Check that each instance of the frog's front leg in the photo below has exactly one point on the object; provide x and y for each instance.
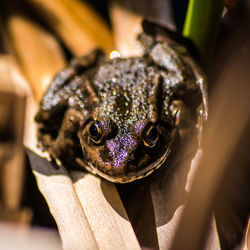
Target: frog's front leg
(66, 146)
(183, 120)
(55, 100)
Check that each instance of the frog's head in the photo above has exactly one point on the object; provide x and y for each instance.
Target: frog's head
(125, 139)
(124, 154)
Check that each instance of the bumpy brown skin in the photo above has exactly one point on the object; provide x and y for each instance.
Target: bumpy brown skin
(164, 87)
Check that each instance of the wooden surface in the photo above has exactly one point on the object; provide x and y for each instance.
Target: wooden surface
(105, 212)
(126, 26)
(246, 245)
(64, 205)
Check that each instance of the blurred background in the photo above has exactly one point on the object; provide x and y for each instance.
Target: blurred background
(39, 37)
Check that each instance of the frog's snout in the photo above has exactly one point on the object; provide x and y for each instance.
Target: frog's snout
(121, 151)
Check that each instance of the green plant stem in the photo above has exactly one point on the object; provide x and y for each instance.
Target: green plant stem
(202, 24)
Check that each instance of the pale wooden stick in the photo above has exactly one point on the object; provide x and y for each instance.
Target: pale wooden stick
(64, 205)
(168, 197)
(105, 212)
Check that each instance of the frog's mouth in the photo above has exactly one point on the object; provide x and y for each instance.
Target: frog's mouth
(129, 177)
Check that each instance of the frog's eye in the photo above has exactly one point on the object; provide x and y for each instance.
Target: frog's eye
(96, 132)
(150, 136)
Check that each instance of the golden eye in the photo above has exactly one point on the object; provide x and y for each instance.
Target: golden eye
(96, 132)
(150, 136)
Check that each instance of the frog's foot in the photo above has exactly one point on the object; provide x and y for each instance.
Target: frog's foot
(183, 120)
(65, 147)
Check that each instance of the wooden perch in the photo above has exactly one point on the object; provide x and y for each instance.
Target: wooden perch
(106, 214)
(64, 205)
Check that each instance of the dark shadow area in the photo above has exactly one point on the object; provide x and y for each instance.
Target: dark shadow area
(223, 180)
(33, 198)
(232, 202)
(179, 13)
(137, 201)
(173, 180)
(111, 200)
(43, 166)
(168, 12)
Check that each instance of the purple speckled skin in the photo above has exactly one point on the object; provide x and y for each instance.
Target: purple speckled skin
(126, 97)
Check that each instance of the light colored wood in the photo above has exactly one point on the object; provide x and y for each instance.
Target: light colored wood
(59, 193)
(105, 212)
(38, 52)
(88, 212)
(81, 29)
(93, 24)
(57, 188)
(20, 216)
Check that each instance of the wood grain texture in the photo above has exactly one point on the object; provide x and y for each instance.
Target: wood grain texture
(105, 212)
(64, 205)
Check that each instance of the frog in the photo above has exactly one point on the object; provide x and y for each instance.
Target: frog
(119, 118)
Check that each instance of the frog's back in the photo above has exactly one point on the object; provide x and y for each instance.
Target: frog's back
(124, 86)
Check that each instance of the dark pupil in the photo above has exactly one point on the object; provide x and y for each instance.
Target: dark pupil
(152, 134)
(93, 130)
